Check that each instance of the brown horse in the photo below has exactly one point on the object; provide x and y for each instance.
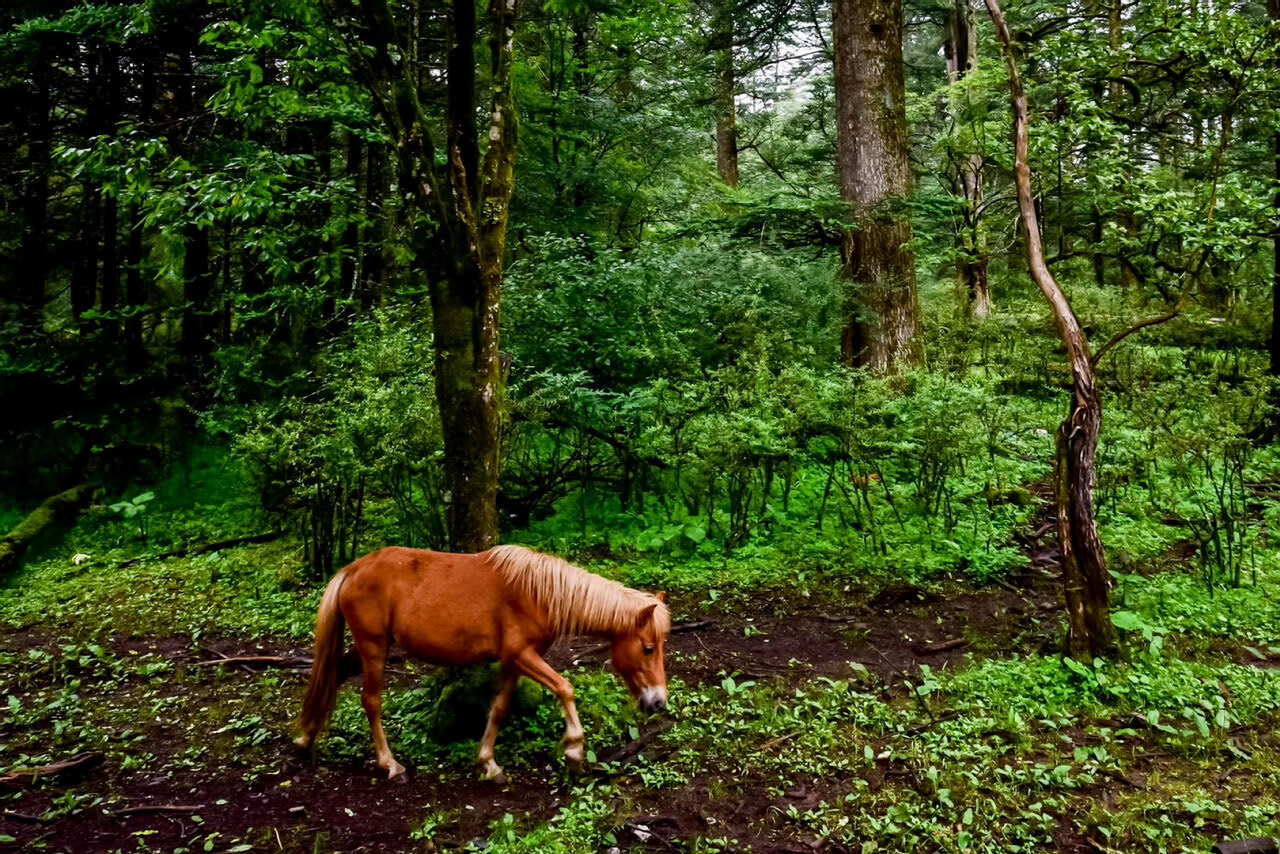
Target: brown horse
(506, 604)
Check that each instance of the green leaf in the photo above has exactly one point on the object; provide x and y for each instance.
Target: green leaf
(1127, 621)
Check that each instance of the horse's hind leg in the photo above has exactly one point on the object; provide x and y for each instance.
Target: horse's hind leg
(497, 713)
(532, 665)
(373, 658)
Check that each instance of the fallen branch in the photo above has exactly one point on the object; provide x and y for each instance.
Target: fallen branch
(205, 549)
(294, 661)
(154, 808)
(637, 744)
(774, 742)
(21, 778)
(941, 646)
(1120, 778)
(64, 505)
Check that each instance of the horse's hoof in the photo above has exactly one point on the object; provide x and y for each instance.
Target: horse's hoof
(399, 779)
(497, 777)
(302, 744)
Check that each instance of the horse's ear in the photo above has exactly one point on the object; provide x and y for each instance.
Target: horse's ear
(645, 616)
(662, 597)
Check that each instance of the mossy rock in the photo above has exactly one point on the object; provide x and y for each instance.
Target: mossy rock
(462, 699)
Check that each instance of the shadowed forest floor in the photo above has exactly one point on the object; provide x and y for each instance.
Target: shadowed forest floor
(197, 751)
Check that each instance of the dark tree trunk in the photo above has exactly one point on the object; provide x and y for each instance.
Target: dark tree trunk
(33, 257)
(725, 89)
(196, 345)
(882, 310)
(135, 296)
(1273, 10)
(961, 48)
(84, 270)
(468, 199)
(350, 277)
(1086, 584)
(372, 290)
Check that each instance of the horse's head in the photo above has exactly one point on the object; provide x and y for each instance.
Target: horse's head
(639, 656)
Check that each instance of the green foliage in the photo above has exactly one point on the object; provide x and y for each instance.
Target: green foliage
(356, 458)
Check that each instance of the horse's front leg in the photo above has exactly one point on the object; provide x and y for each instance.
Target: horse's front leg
(531, 664)
(508, 680)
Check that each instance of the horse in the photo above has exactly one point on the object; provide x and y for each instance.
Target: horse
(507, 604)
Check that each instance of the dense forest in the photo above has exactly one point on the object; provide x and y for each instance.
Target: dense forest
(925, 351)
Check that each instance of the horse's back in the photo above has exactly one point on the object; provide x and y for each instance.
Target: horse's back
(442, 607)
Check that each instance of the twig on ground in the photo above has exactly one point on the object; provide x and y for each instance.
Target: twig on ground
(638, 744)
(21, 778)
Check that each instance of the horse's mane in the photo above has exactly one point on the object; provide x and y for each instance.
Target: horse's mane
(576, 601)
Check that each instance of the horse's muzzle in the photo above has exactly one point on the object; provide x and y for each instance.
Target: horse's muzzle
(653, 700)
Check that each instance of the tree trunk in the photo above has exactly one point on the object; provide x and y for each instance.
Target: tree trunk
(882, 309)
(1273, 10)
(1086, 584)
(33, 257)
(196, 343)
(961, 48)
(377, 195)
(135, 296)
(725, 89)
(468, 199)
(84, 270)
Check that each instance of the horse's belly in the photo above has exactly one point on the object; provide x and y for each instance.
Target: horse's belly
(444, 640)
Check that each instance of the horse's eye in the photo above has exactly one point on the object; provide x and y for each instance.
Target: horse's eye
(648, 650)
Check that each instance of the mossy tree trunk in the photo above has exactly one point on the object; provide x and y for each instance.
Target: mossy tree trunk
(466, 198)
(882, 311)
(1273, 11)
(1086, 584)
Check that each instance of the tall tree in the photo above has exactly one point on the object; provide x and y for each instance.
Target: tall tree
(725, 86)
(1273, 12)
(462, 199)
(960, 44)
(1084, 564)
(883, 310)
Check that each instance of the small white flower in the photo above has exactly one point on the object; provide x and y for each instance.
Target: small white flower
(79, 558)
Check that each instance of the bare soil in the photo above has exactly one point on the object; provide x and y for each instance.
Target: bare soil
(289, 803)
(293, 804)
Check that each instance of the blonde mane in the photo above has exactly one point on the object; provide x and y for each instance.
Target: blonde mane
(576, 601)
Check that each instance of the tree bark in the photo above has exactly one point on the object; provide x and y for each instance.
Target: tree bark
(1273, 11)
(196, 344)
(468, 198)
(961, 49)
(725, 88)
(882, 309)
(34, 260)
(1086, 584)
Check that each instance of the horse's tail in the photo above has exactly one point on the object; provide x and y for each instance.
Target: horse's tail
(322, 689)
